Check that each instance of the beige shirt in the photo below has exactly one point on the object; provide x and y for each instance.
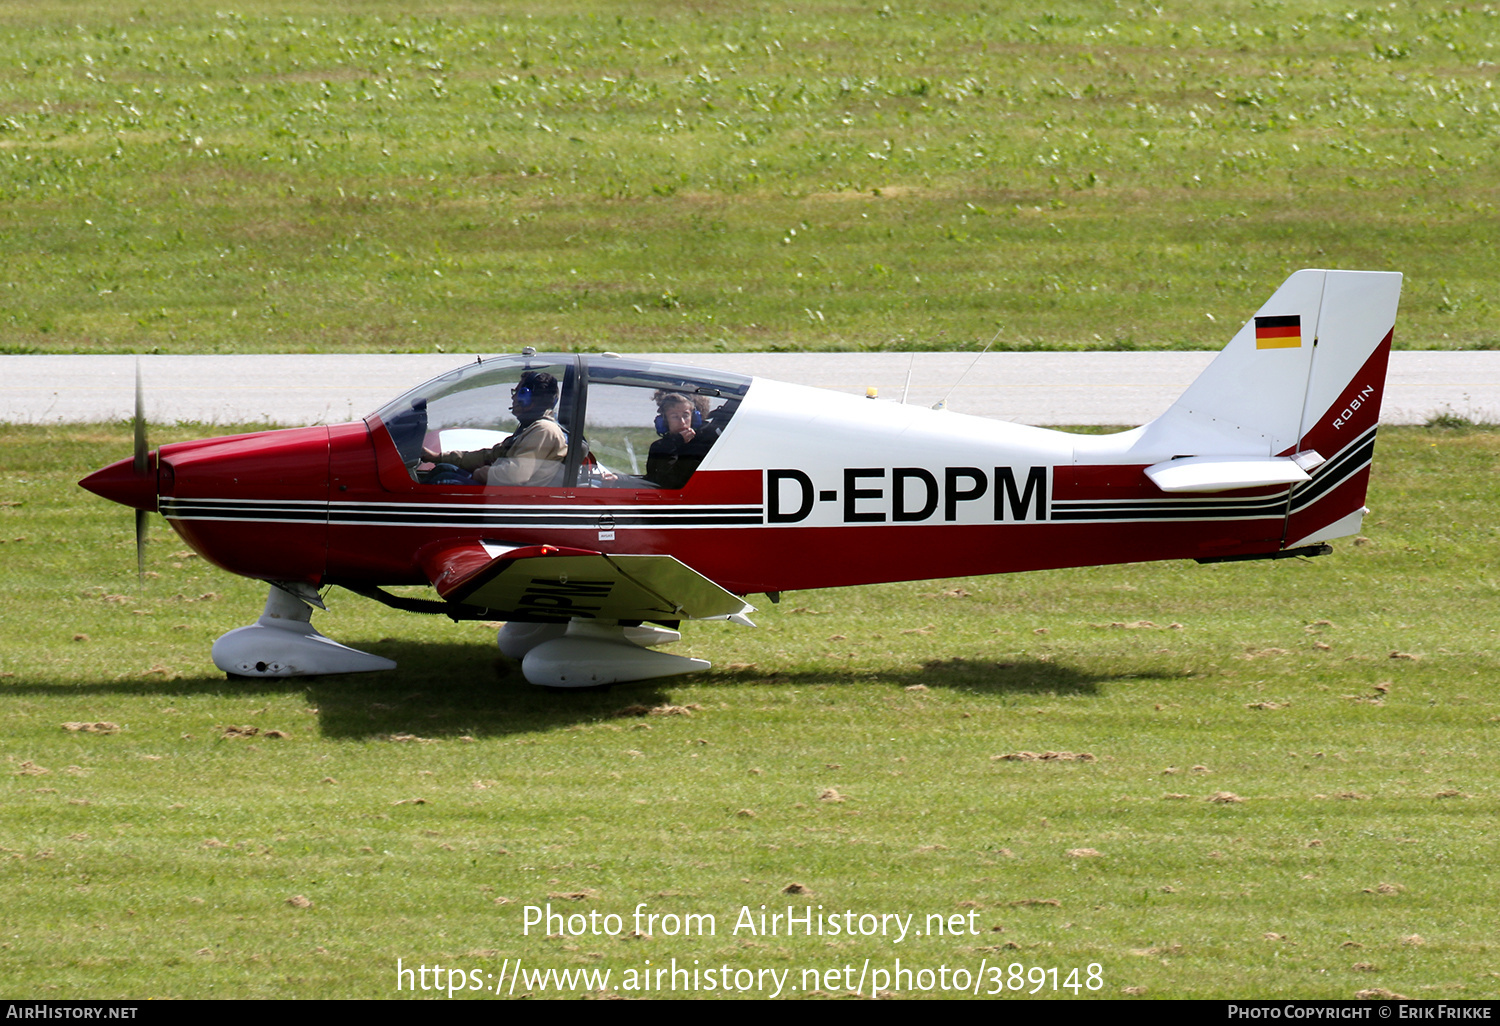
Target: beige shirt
(534, 455)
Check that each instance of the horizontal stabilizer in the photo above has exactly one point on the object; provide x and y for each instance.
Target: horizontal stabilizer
(549, 583)
(1227, 473)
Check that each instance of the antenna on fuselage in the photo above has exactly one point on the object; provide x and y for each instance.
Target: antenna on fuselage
(942, 404)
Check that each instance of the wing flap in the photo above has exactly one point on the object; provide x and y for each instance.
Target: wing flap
(550, 582)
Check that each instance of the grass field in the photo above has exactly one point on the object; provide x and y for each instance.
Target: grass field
(1290, 791)
(296, 176)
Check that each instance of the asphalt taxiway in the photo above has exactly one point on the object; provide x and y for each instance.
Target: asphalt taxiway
(1026, 388)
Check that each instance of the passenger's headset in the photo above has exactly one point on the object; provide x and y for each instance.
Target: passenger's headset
(661, 421)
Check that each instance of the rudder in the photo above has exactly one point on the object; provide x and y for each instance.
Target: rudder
(1342, 409)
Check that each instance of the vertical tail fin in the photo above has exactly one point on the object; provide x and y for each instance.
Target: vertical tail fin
(1307, 372)
(1274, 386)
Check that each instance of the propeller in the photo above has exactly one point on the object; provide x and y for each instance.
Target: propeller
(132, 481)
(141, 466)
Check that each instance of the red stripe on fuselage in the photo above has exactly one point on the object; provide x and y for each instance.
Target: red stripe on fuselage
(1129, 481)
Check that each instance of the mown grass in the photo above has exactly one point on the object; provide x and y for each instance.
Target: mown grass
(305, 177)
(1348, 701)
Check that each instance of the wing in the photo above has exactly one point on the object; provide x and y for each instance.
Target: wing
(553, 583)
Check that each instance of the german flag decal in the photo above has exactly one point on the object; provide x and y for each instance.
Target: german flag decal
(1278, 332)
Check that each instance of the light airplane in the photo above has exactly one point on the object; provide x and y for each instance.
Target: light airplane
(594, 502)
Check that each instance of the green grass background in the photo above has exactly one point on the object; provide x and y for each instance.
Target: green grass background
(302, 176)
(1348, 701)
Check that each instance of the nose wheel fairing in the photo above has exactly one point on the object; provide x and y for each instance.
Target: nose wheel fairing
(284, 643)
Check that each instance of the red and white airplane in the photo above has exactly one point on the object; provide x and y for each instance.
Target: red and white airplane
(649, 493)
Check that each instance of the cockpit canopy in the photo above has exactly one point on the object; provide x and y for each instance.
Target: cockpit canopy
(619, 422)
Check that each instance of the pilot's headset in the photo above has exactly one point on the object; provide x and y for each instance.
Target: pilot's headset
(532, 383)
(676, 398)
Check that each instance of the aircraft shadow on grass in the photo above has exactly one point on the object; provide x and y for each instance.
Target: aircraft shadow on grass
(488, 696)
(454, 690)
(470, 691)
(440, 690)
(978, 676)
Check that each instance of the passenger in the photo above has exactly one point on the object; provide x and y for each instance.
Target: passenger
(533, 454)
(685, 439)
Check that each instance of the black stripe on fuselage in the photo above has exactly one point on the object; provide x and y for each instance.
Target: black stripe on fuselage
(1336, 471)
(1354, 458)
(425, 515)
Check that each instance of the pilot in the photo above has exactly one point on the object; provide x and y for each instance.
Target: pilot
(534, 454)
(685, 439)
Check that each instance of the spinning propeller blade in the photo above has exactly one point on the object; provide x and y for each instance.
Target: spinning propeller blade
(141, 467)
(140, 545)
(141, 448)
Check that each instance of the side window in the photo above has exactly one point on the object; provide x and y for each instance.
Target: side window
(619, 426)
(649, 437)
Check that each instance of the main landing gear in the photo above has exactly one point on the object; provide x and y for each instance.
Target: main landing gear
(588, 653)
